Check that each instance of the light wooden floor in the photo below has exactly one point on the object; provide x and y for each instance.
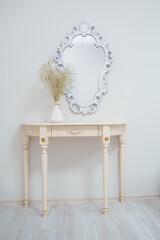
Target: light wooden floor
(135, 220)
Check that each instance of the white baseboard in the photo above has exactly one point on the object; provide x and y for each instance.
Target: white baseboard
(67, 200)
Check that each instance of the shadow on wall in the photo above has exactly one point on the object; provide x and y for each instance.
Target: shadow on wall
(73, 161)
(66, 153)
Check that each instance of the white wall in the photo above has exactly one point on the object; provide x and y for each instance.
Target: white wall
(30, 31)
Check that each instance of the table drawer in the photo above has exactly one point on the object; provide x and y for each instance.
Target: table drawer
(74, 131)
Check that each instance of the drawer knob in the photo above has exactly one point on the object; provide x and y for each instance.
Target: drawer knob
(106, 139)
(43, 140)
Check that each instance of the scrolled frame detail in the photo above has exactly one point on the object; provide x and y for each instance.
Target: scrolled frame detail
(84, 30)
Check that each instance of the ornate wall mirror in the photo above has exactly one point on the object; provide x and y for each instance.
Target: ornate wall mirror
(86, 50)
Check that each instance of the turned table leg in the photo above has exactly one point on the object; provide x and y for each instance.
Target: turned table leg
(105, 143)
(121, 165)
(25, 140)
(44, 160)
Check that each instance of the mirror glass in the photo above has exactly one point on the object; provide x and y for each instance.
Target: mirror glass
(87, 62)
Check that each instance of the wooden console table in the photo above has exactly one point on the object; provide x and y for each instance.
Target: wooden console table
(46, 130)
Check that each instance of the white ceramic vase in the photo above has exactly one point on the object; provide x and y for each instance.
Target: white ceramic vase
(56, 115)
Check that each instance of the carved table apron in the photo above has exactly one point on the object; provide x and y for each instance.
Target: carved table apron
(46, 130)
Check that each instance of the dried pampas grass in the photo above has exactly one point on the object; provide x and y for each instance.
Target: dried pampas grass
(56, 81)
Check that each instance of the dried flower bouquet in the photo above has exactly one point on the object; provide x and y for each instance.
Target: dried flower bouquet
(56, 81)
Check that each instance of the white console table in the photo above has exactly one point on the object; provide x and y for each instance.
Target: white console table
(46, 130)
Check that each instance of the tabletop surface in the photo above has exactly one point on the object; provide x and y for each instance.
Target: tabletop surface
(71, 123)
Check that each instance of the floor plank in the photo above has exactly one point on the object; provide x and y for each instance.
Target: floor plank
(130, 220)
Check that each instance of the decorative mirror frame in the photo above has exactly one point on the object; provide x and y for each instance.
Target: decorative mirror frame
(83, 29)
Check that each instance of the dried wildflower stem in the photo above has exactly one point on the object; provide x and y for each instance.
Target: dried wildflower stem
(56, 81)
